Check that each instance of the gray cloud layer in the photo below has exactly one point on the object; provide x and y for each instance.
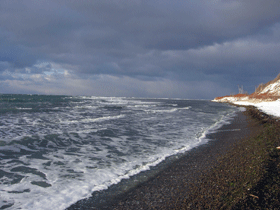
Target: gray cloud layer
(153, 48)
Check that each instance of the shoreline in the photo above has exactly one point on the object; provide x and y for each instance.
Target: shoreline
(239, 168)
(171, 187)
(245, 176)
(168, 189)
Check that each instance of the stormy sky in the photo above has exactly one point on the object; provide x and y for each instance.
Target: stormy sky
(138, 48)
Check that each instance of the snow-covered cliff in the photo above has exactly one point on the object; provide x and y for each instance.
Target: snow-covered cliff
(265, 92)
(266, 98)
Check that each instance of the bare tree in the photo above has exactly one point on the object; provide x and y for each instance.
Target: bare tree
(240, 89)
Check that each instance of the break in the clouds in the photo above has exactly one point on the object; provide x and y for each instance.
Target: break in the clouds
(141, 48)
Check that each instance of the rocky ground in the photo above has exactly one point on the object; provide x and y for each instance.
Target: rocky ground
(247, 177)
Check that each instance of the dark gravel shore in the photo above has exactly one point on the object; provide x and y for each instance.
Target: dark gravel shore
(171, 188)
(229, 172)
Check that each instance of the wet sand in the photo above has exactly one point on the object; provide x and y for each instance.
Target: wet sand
(169, 188)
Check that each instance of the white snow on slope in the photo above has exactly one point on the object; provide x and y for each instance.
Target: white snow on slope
(273, 88)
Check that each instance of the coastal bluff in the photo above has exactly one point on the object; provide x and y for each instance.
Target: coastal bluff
(266, 98)
(264, 93)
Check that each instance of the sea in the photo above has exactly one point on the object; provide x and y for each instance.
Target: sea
(57, 150)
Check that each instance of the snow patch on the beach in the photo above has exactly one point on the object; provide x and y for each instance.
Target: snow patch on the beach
(268, 107)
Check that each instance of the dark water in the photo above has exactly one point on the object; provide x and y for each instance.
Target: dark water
(56, 150)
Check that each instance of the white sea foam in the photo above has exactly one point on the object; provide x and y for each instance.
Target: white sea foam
(167, 110)
(99, 119)
(224, 120)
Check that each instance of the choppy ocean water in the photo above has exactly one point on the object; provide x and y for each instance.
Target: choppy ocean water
(56, 150)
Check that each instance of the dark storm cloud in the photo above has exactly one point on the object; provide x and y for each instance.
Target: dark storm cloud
(179, 24)
(220, 41)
